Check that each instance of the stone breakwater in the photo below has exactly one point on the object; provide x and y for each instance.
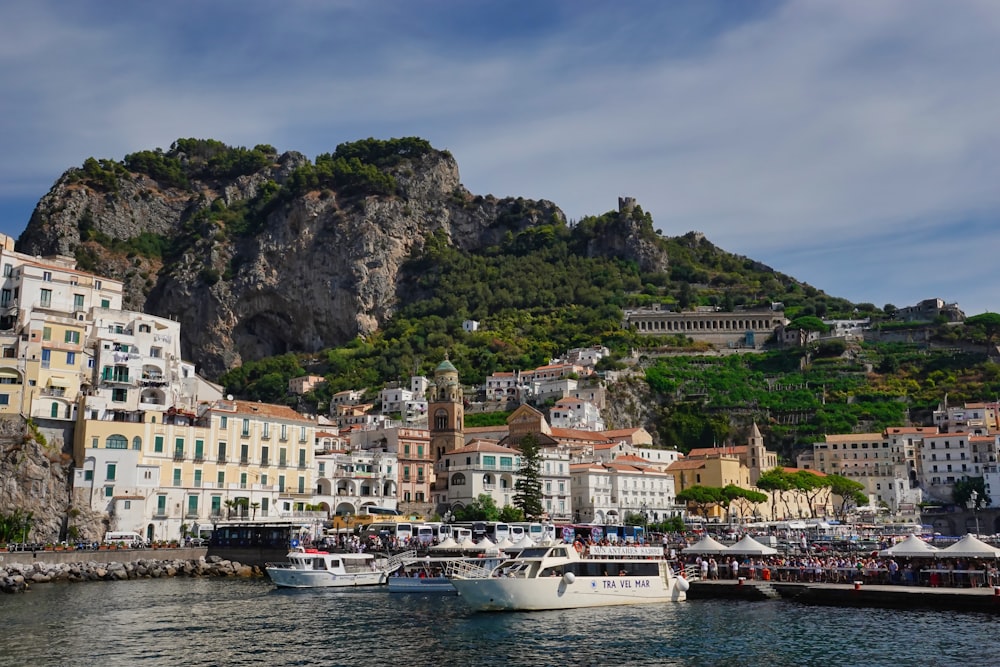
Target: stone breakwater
(19, 577)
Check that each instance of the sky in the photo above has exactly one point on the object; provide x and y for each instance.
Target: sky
(851, 144)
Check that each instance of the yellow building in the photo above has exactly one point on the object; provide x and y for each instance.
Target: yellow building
(153, 472)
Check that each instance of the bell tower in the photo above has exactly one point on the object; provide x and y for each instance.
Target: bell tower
(445, 411)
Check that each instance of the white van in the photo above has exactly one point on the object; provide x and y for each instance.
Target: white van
(126, 537)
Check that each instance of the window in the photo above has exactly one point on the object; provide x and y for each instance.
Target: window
(284, 432)
(223, 421)
(489, 461)
(46, 298)
(221, 478)
(302, 484)
(119, 395)
(72, 337)
(244, 453)
(281, 483)
(105, 303)
(197, 478)
(216, 505)
(109, 491)
(246, 428)
(77, 302)
(158, 444)
(406, 450)
(4, 399)
(199, 449)
(112, 469)
(222, 452)
(264, 454)
(193, 505)
(302, 434)
(177, 476)
(7, 270)
(302, 458)
(71, 358)
(243, 480)
(88, 475)
(97, 284)
(420, 451)
(458, 479)
(161, 505)
(116, 442)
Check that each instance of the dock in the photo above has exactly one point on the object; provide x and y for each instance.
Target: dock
(974, 599)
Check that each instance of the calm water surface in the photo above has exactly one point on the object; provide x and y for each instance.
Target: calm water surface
(234, 622)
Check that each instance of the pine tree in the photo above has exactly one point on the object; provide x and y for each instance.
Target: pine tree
(528, 490)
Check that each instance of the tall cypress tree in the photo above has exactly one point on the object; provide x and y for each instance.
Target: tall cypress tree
(528, 490)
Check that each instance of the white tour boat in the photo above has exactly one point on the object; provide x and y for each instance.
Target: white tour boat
(558, 577)
(312, 568)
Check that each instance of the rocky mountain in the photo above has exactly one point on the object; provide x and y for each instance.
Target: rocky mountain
(258, 253)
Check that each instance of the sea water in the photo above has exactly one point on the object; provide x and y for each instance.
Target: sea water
(198, 622)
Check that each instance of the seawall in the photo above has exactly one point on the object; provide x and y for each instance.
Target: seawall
(18, 576)
(975, 599)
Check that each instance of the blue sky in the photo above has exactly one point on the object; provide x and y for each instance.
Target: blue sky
(852, 144)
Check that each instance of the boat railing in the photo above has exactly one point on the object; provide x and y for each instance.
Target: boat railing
(691, 572)
(398, 560)
(466, 570)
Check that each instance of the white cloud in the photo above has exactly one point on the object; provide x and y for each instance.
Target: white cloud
(814, 136)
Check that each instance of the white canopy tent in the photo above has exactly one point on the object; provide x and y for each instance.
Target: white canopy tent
(706, 545)
(750, 547)
(911, 547)
(969, 546)
(447, 544)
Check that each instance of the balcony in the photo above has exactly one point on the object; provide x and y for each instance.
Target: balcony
(244, 461)
(221, 459)
(199, 458)
(179, 456)
(263, 461)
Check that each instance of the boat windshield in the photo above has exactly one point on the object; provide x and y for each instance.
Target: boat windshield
(534, 552)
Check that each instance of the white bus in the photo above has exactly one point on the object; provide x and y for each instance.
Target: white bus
(124, 537)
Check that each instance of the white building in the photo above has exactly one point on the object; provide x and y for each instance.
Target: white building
(482, 466)
(576, 413)
(608, 492)
(554, 475)
(351, 482)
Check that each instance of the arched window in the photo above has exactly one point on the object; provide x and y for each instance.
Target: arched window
(458, 479)
(116, 442)
(488, 479)
(441, 419)
(137, 443)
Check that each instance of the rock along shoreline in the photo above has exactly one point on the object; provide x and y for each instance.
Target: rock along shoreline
(18, 577)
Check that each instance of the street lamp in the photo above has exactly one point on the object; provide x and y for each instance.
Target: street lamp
(974, 504)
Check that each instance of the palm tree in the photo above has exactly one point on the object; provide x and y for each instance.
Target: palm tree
(230, 506)
(254, 507)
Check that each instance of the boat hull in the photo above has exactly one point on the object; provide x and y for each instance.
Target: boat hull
(437, 585)
(537, 594)
(294, 578)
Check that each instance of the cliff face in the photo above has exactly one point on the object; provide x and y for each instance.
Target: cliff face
(277, 259)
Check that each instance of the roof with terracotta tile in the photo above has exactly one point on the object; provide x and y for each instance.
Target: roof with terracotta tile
(268, 410)
(686, 464)
(709, 452)
(576, 434)
(483, 446)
